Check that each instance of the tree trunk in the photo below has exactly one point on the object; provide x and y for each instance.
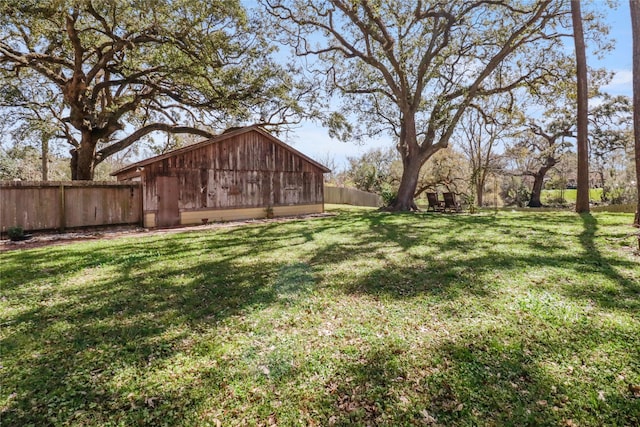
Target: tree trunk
(45, 158)
(408, 183)
(634, 6)
(83, 158)
(412, 161)
(538, 182)
(582, 198)
(482, 180)
(536, 191)
(479, 192)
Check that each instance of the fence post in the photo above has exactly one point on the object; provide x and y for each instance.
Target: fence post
(63, 214)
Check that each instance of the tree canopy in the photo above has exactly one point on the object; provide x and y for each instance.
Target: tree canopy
(413, 68)
(121, 70)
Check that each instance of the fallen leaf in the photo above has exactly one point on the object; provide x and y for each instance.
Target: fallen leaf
(332, 387)
(427, 418)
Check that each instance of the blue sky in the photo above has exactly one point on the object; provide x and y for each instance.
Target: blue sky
(314, 141)
(620, 59)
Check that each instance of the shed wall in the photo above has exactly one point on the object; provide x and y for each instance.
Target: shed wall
(243, 172)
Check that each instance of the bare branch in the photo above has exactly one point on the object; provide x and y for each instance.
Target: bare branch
(140, 133)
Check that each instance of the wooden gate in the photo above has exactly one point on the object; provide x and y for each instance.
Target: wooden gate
(168, 212)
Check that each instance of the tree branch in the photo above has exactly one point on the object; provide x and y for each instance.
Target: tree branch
(140, 133)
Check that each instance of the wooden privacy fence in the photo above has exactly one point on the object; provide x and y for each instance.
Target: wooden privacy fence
(35, 205)
(350, 196)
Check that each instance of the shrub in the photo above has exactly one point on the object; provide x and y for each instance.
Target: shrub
(15, 233)
(515, 192)
(268, 212)
(618, 194)
(388, 195)
(556, 199)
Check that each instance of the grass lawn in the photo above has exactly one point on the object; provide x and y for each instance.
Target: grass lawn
(364, 318)
(569, 195)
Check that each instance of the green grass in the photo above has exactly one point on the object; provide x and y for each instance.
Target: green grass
(364, 318)
(569, 195)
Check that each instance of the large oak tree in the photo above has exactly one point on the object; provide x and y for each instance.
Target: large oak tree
(413, 68)
(537, 151)
(123, 70)
(544, 140)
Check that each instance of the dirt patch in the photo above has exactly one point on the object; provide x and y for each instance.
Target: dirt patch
(40, 239)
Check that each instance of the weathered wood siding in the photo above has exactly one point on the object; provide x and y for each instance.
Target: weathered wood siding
(36, 205)
(245, 171)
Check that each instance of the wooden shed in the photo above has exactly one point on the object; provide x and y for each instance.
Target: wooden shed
(240, 174)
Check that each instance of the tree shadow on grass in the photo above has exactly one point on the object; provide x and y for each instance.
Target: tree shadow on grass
(133, 317)
(474, 380)
(480, 276)
(444, 262)
(627, 291)
(77, 341)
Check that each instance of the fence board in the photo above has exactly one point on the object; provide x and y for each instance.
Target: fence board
(36, 205)
(351, 196)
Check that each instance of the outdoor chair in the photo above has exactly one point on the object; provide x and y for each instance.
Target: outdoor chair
(450, 203)
(434, 204)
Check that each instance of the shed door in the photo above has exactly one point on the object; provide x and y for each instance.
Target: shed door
(168, 213)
